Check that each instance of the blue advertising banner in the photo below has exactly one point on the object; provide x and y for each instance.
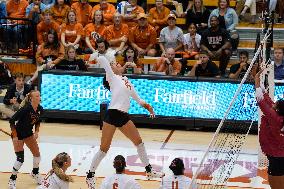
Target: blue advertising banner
(177, 98)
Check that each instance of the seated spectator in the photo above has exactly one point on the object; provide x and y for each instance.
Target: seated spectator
(191, 47)
(14, 96)
(228, 19)
(131, 18)
(34, 11)
(198, 15)
(171, 36)
(72, 31)
(59, 11)
(44, 26)
(280, 11)
(83, 11)
(107, 9)
(56, 177)
(237, 71)
(117, 34)
(16, 29)
(158, 16)
(204, 67)
(94, 30)
(177, 7)
(278, 64)
(251, 5)
(131, 63)
(5, 74)
(143, 37)
(71, 62)
(168, 64)
(48, 54)
(48, 3)
(16, 8)
(192, 41)
(177, 180)
(216, 42)
(3, 12)
(102, 49)
(119, 179)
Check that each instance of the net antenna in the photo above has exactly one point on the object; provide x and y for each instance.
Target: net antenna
(218, 162)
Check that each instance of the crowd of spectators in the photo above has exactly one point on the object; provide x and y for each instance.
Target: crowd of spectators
(127, 25)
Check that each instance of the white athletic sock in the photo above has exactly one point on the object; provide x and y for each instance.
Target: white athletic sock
(142, 154)
(96, 160)
(36, 161)
(16, 167)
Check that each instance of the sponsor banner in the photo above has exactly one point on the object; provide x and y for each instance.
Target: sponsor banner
(177, 98)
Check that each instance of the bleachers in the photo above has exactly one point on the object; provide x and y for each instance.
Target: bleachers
(207, 3)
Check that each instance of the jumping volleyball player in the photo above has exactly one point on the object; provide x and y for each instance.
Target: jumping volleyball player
(21, 125)
(117, 116)
(271, 136)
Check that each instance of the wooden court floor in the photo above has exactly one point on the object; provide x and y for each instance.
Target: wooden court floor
(59, 133)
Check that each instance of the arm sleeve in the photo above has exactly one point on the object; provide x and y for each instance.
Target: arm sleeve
(235, 20)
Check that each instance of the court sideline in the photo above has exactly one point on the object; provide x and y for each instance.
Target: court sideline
(81, 141)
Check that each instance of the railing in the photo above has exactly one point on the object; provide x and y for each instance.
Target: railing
(17, 37)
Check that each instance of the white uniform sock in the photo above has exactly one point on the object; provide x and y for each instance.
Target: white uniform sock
(36, 161)
(96, 160)
(142, 154)
(16, 167)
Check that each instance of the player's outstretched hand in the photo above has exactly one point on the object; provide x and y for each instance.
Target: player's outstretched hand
(150, 109)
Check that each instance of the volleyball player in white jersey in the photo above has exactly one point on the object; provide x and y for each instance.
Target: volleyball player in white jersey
(119, 180)
(178, 180)
(117, 116)
(57, 178)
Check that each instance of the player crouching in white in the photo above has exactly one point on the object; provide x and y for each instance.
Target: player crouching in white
(117, 117)
(178, 180)
(57, 178)
(120, 179)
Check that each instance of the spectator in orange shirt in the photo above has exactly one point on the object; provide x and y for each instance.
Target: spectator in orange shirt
(72, 31)
(131, 18)
(44, 26)
(59, 11)
(117, 34)
(108, 11)
(94, 30)
(83, 11)
(158, 16)
(168, 63)
(16, 33)
(48, 54)
(143, 37)
(16, 8)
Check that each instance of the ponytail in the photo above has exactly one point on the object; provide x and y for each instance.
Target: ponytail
(27, 99)
(57, 164)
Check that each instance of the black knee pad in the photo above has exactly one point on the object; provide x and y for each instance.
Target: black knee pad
(20, 156)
